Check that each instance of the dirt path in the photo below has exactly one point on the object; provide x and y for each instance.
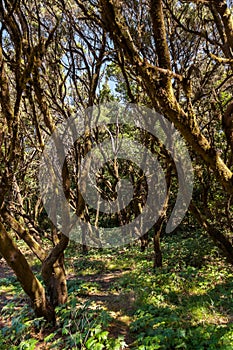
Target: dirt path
(120, 305)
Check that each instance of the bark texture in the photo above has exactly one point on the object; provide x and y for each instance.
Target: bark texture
(31, 285)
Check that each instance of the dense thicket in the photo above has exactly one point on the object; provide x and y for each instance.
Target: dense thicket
(58, 58)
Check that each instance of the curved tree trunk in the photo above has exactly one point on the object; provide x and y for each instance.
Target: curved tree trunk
(55, 280)
(30, 284)
(219, 238)
(53, 273)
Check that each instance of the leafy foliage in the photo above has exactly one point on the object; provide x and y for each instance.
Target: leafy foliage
(185, 305)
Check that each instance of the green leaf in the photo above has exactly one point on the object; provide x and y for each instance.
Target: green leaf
(28, 344)
(90, 342)
(98, 346)
(103, 335)
(49, 337)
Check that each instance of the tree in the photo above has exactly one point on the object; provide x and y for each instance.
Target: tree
(56, 59)
(42, 63)
(179, 64)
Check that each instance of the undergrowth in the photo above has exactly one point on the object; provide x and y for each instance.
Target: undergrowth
(187, 304)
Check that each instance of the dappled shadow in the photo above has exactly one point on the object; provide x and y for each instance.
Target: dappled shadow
(7, 278)
(6, 297)
(5, 270)
(208, 298)
(100, 289)
(8, 300)
(121, 307)
(163, 324)
(10, 297)
(105, 280)
(196, 318)
(82, 264)
(122, 303)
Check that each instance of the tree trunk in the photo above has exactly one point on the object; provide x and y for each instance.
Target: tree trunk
(56, 283)
(157, 82)
(221, 241)
(84, 245)
(159, 224)
(144, 241)
(30, 284)
(53, 273)
(158, 260)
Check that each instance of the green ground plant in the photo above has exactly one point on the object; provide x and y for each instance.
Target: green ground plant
(187, 304)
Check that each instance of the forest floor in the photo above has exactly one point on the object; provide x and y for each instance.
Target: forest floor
(5, 272)
(116, 301)
(101, 292)
(6, 294)
(120, 305)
